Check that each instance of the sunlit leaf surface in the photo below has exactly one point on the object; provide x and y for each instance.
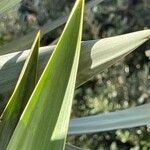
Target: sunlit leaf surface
(95, 57)
(20, 96)
(44, 122)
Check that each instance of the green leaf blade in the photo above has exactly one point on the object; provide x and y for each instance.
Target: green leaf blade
(94, 58)
(44, 122)
(20, 96)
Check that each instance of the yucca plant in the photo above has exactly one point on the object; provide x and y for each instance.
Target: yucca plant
(37, 114)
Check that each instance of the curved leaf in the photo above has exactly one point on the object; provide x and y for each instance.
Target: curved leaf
(128, 118)
(20, 96)
(95, 57)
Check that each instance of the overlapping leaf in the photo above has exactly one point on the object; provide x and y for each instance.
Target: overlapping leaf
(44, 122)
(20, 96)
(95, 56)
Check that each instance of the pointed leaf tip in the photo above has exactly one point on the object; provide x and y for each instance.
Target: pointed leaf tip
(51, 125)
(20, 96)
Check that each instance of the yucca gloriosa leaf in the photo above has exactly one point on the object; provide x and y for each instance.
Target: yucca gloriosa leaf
(129, 118)
(138, 38)
(98, 57)
(95, 57)
(44, 122)
(25, 41)
(24, 87)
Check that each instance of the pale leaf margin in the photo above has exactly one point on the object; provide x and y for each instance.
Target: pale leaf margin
(71, 147)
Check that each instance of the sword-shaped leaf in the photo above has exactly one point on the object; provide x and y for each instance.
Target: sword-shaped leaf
(20, 96)
(128, 118)
(95, 57)
(44, 122)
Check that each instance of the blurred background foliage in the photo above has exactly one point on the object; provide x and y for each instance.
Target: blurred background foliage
(124, 85)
